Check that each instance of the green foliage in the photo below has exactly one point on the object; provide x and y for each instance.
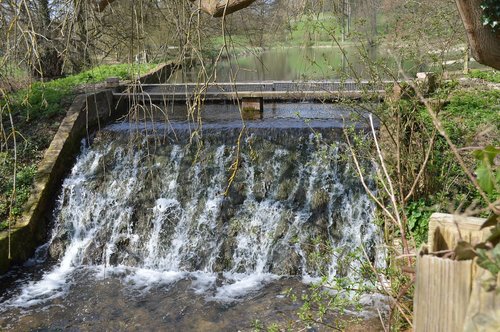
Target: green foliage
(491, 14)
(468, 110)
(488, 176)
(314, 30)
(471, 118)
(43, 99)
(12, 72)
(418, 214)
(487, 251)
(331, 301)
(489, 259)
(487, 75)
(257, 325)
(24, 179)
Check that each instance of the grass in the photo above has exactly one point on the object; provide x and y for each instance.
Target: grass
(470, 118)
(490, 75)
(473, 120)
(37, 111)
(44, 99)
(470, 112)
(309, 30)
(232, 40)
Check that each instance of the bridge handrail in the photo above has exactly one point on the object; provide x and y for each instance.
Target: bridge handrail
(278, 86)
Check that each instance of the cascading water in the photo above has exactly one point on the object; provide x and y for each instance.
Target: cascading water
(152, 210)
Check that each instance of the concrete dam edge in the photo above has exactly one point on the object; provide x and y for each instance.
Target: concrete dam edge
(87, 114)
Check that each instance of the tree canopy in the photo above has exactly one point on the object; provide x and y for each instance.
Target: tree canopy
(484, 39)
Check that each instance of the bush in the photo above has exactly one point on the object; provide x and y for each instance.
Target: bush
(418, 214)
(24, 179)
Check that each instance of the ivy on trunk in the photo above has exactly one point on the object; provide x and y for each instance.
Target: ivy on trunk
(483, 40)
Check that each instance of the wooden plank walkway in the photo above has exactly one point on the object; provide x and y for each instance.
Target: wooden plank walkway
(279, 90)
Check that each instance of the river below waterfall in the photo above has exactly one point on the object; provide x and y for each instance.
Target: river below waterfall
(181, 226)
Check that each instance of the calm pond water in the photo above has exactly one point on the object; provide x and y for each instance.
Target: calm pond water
(314, 63)
(293, 63)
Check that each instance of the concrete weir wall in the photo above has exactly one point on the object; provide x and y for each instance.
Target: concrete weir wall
(87, 114)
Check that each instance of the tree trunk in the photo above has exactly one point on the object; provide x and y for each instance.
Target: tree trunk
(49, 62)
(218, 8)
(484, 43)
(83, 46)
(102, 4)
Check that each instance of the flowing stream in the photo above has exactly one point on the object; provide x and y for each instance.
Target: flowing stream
(162, 227)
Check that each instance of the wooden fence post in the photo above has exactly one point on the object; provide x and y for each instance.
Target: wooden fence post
(450, 295)
(442, 294)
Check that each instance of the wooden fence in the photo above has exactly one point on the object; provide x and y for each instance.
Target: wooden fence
(452, 296)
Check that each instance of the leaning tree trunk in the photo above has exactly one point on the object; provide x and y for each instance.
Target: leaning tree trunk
(218, 8)
(484, 43)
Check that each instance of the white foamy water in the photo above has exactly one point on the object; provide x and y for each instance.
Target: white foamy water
(154, 218)
(239, 285)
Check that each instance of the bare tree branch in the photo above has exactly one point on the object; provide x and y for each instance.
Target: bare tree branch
(102, 4)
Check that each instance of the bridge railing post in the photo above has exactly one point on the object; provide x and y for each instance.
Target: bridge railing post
(252, 108)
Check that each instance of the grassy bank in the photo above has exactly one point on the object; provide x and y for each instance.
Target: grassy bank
(492, 76)
(471, 119)
(36, 112)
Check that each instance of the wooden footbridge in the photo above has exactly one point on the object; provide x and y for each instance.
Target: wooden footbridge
(278, 91)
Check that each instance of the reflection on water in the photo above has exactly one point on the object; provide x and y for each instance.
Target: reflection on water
(289, 64)
(275, 115)
(323, 63)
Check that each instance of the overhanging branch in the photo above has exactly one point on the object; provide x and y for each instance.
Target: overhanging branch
(216, 8)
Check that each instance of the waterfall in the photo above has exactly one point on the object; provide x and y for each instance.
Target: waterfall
(150, 206)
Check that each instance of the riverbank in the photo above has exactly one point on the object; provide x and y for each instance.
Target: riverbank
(37, 112)
(27, 215)
(471, 107)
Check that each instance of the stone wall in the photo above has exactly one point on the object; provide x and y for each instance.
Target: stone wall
(87, 114)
